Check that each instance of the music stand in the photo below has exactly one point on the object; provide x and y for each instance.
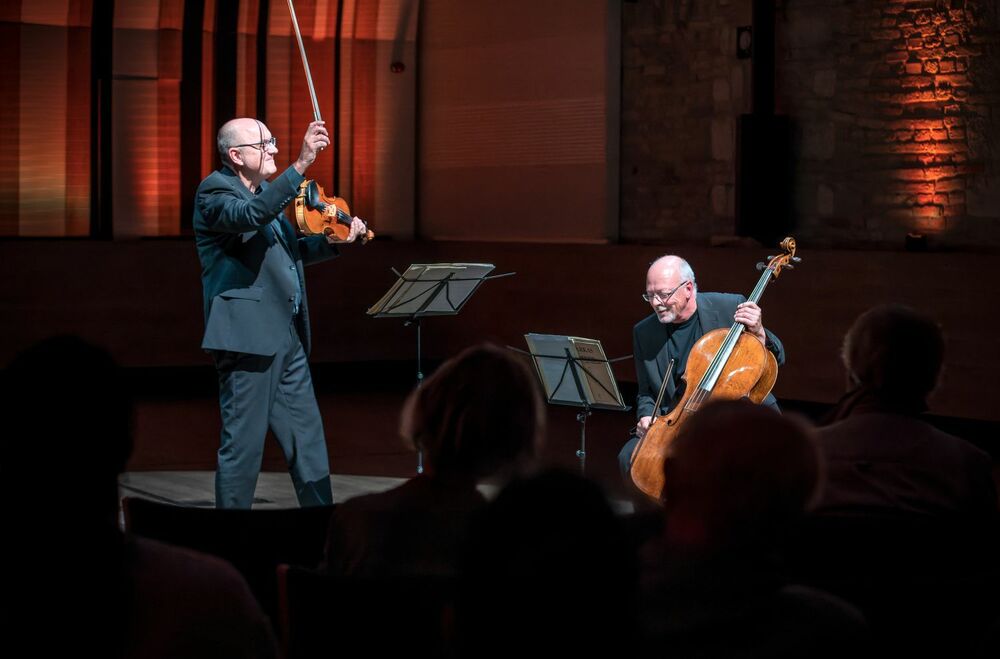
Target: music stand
(575, 371)
(430, 289)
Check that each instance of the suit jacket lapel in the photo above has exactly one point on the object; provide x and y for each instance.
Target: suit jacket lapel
(273, 231)
(709, 315)
(278, 226)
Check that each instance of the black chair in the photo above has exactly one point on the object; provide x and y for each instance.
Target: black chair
(254, 541)
(323, 615)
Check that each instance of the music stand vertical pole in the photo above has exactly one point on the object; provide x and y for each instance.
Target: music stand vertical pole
(420, 372)
(582, 452)
(407, 297)
(415, 318)
(420, 381)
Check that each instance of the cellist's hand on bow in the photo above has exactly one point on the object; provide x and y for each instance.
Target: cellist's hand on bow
(643, 426)
(316, 139)
(749, 314)
(358, 229)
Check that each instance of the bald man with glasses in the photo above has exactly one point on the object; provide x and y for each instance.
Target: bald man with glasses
(256, 311)
(681, 315)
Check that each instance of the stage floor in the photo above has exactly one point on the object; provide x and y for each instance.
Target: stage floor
(274, 489)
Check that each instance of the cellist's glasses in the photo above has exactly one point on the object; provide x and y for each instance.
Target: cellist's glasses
(663, 297)
(273, 141)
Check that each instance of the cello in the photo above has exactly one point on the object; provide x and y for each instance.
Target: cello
(315, 212)
(724, 364)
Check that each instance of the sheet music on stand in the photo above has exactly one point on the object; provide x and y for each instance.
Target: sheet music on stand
(431, 289)
(575, 371)
(555, 356)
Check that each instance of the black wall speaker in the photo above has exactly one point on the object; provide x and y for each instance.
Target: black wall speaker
(764, 178)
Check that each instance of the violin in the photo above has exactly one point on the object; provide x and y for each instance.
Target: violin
(725, 364)
(316, 213)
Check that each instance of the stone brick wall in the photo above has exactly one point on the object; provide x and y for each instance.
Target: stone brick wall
(896, 105)
(682, 91)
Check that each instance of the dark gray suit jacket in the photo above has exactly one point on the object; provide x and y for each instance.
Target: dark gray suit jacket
(250, 263)
(649, 341)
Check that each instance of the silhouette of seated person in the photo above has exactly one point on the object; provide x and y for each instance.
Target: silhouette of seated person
(882, 458)
(479, 415)
(738, 477)
(549, 572)
(906, 526)
(75, 583)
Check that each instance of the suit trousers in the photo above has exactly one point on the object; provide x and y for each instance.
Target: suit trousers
(257, 392)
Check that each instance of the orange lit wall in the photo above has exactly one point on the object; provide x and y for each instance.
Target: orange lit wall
(46, 182)
(891, 103)
(930, 53)
(515, 105)
(145, 148)
(209, 154)
(378, 110)
(45, 84)
(895, 104)
(289, 109)
(361, 30)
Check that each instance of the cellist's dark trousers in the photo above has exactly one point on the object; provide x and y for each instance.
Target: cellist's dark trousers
(257, 392)
(625, 457)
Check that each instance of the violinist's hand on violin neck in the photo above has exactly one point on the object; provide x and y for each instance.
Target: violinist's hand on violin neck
(316, 139)
(358, 229)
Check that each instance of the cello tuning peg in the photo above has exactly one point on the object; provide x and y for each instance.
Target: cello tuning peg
(769, 257)
(796, 259)
(761, 265)
(789, 267)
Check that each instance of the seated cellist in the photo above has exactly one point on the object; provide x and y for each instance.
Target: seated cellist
(681, 315)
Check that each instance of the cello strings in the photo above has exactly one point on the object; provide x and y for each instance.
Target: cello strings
(714, 369)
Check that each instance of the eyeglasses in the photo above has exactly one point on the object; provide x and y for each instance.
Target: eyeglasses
(663, 297)
(272, 141)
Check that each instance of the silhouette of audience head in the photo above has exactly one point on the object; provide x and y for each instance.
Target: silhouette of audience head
(69, 417)
(550, 559)
(480, 410)
(895, 352)
(737, 475)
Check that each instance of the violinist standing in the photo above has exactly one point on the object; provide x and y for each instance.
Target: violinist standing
(256, 311)
(681, 315)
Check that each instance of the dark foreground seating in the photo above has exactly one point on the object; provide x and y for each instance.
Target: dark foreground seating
(322, 614)
(254, 541)
(927, 587)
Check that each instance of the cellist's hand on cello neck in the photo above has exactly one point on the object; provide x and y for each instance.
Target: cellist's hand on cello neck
(749, 314)
(316, 139)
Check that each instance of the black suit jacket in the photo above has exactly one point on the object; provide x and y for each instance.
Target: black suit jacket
(650, 348)
(250, 263)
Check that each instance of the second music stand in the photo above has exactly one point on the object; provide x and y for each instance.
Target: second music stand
(430, 289)
(575, 371)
